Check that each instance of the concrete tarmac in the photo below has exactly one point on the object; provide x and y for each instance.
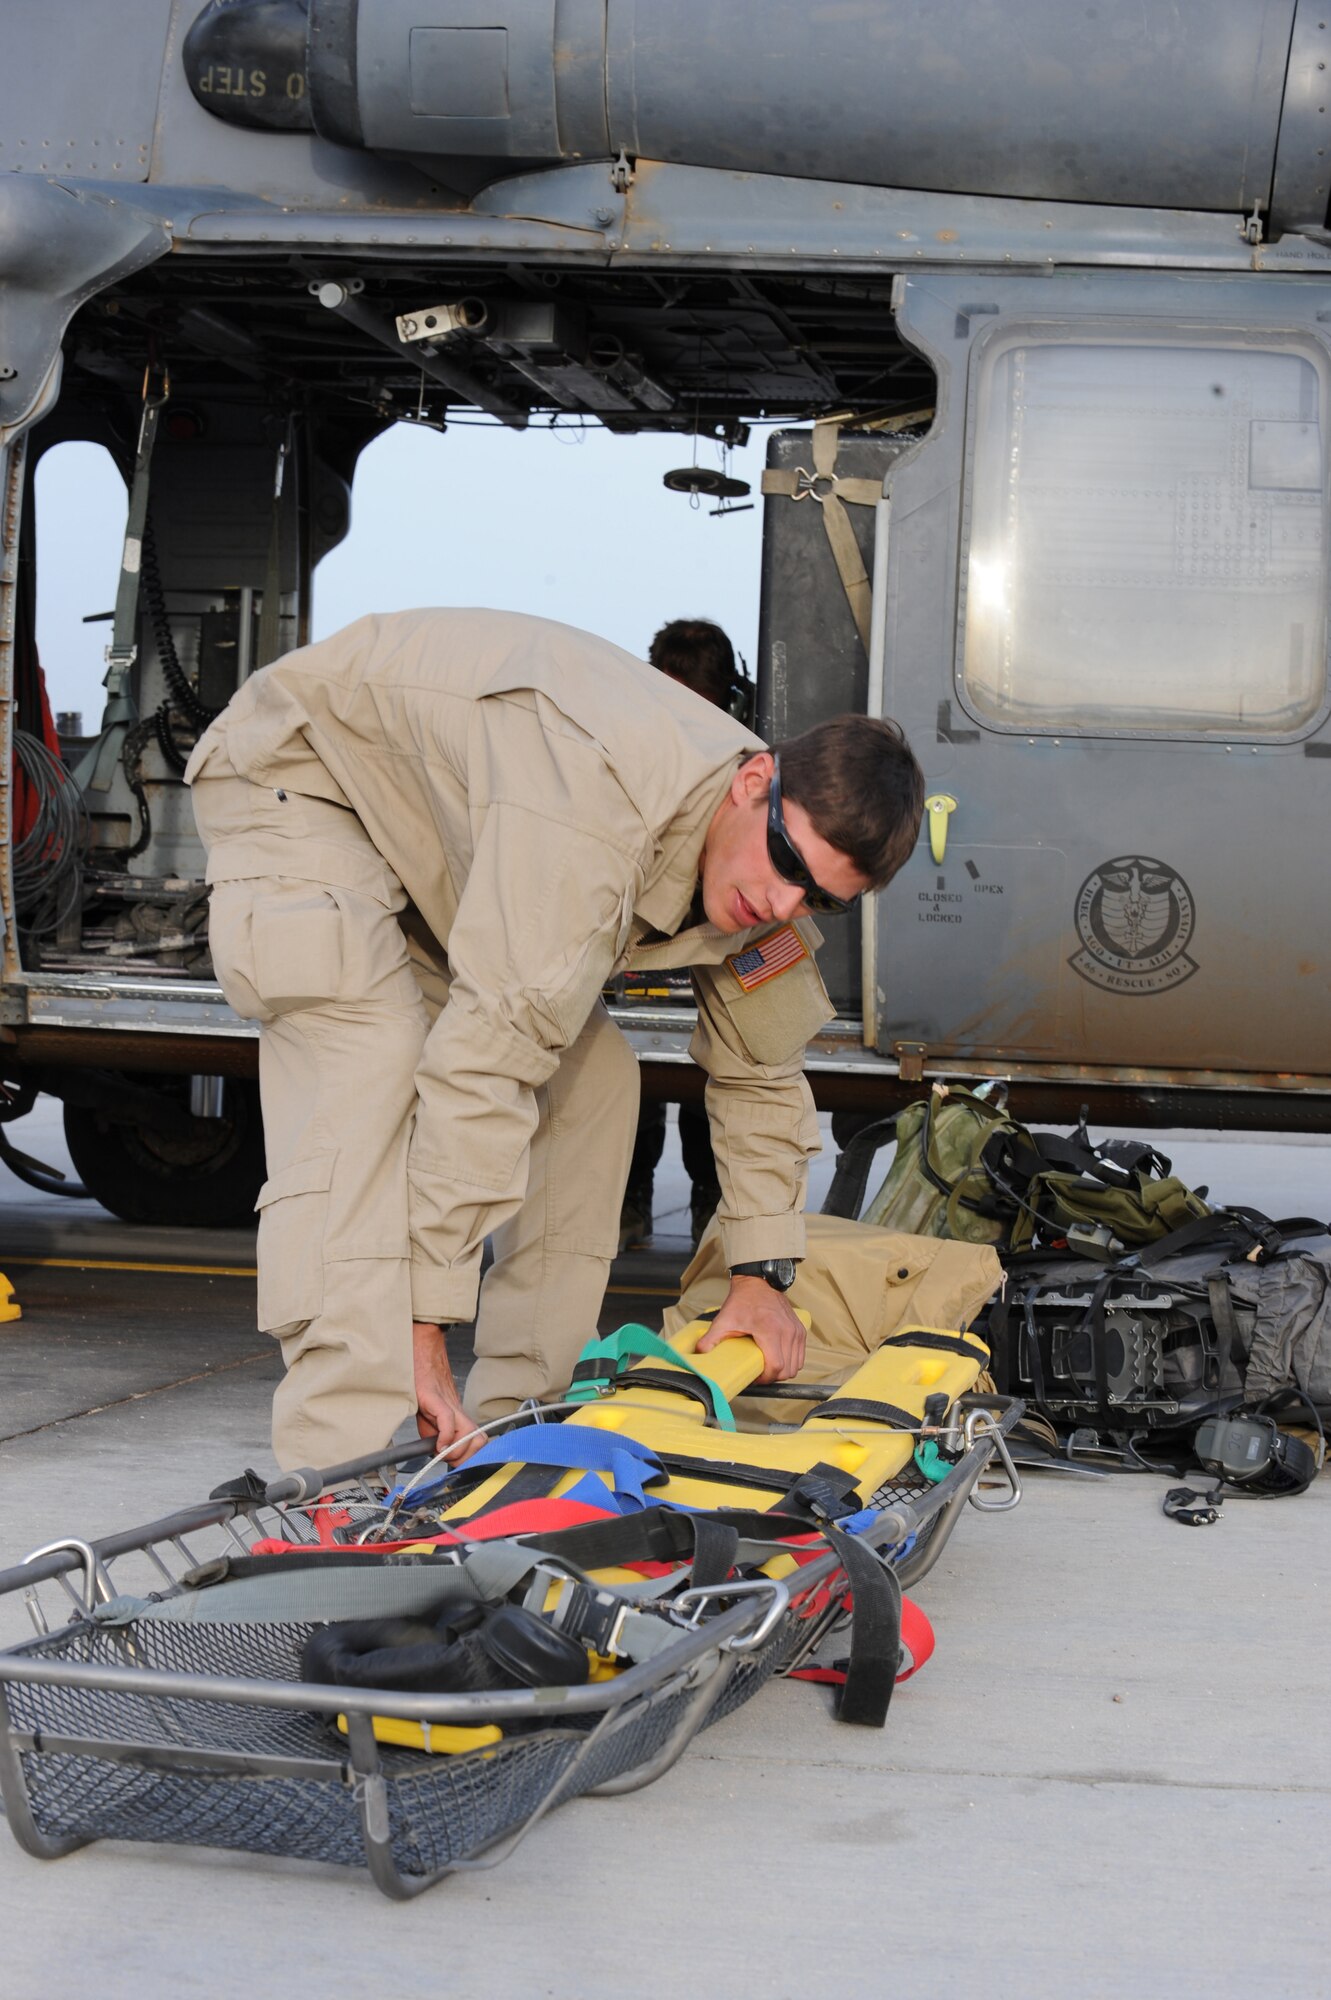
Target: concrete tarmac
(1113, 1777)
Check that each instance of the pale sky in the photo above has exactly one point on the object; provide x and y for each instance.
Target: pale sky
(573, 525)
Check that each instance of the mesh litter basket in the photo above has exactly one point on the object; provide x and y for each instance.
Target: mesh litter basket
(96, 1760)
(158, 1729)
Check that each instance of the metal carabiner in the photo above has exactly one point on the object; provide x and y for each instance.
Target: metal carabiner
(747, 1642)
(96, 1583)
(984, 1422)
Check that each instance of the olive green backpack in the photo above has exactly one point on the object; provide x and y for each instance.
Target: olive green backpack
(964, 1169)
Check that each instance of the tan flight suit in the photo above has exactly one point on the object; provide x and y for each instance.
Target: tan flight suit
(432, 838)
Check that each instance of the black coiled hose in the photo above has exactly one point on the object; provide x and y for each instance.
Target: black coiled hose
(180, 694)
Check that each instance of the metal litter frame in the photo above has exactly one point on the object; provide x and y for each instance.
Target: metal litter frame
(99, 1739)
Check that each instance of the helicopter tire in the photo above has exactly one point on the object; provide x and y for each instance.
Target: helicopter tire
(209, 1178)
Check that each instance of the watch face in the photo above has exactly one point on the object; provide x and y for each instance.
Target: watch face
(781, 1273)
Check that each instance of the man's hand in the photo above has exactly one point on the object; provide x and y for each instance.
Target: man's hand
(439, 1410)
(767, 1316)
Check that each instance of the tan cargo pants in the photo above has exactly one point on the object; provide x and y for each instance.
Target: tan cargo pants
(306, 941)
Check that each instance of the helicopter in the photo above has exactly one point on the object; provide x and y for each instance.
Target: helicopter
(1037, 305)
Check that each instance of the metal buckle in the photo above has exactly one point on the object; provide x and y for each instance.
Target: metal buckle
(819, 486)
(594, 1617)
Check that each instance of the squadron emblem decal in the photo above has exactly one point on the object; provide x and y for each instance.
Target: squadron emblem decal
(1135, 918)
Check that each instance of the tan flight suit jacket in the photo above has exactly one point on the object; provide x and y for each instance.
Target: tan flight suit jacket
(543, 798)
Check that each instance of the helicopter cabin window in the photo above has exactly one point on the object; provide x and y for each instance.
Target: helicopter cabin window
(1147, 535)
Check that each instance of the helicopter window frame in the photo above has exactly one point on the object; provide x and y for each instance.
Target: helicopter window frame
(982, 583)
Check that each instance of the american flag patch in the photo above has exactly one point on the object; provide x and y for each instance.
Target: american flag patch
(774, 954)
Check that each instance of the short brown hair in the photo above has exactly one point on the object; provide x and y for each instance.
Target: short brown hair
(858, 781)
(695, 651)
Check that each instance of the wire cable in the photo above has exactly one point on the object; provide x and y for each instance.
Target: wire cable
(47, 862)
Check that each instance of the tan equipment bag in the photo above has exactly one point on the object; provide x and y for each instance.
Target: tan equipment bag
(858, 1285)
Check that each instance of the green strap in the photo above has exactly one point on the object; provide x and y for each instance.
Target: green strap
(629, 1344)
(931, 1462)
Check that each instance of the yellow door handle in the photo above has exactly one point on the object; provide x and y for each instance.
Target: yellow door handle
(939, 805)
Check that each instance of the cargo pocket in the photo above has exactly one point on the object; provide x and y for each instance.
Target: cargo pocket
(229, 944)
(297, 946)
(293, 1219)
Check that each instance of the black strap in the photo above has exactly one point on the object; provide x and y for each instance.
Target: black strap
(1092, 1321)
(1027, 1154)
(601, 1368)
(864, 1406)
(1137, 1157)
(940, 1343)
(246, 1485)
(658, 1534)
(661, 1535)
(715, 1551)
(875, 1633)
(1301, 1225)
(1034, 1355)
(673, 1379)
(998, 1339)
(850, 1178)
(824, 1495)
(760, 1478)
(1226, 1320)
(1247, 1228)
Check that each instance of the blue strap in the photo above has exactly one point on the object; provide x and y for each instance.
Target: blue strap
(629, 1464)
(593, 1492)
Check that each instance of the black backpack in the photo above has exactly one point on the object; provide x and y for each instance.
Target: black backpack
(1225, 1313)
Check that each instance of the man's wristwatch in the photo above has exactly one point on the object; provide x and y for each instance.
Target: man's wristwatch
(778, 1272)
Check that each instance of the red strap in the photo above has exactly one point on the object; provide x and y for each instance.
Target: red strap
(530, 1517)
(327, 1518)
(524, 1517)
(917, 1645)
(917, 1639)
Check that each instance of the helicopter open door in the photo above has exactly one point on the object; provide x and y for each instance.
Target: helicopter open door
(1106, 636)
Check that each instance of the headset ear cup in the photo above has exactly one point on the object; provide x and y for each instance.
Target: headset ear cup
(1228, 1447)
(530, 1652)
(507, 1647)
(401, 1654)
(1292, 1469)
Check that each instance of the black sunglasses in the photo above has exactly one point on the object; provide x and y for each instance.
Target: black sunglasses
(785, 856)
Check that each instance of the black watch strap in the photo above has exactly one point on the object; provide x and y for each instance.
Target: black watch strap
(778, 1272)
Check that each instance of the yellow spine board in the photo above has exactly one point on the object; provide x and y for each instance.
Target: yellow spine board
(442, 1739)
(675, 1425)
